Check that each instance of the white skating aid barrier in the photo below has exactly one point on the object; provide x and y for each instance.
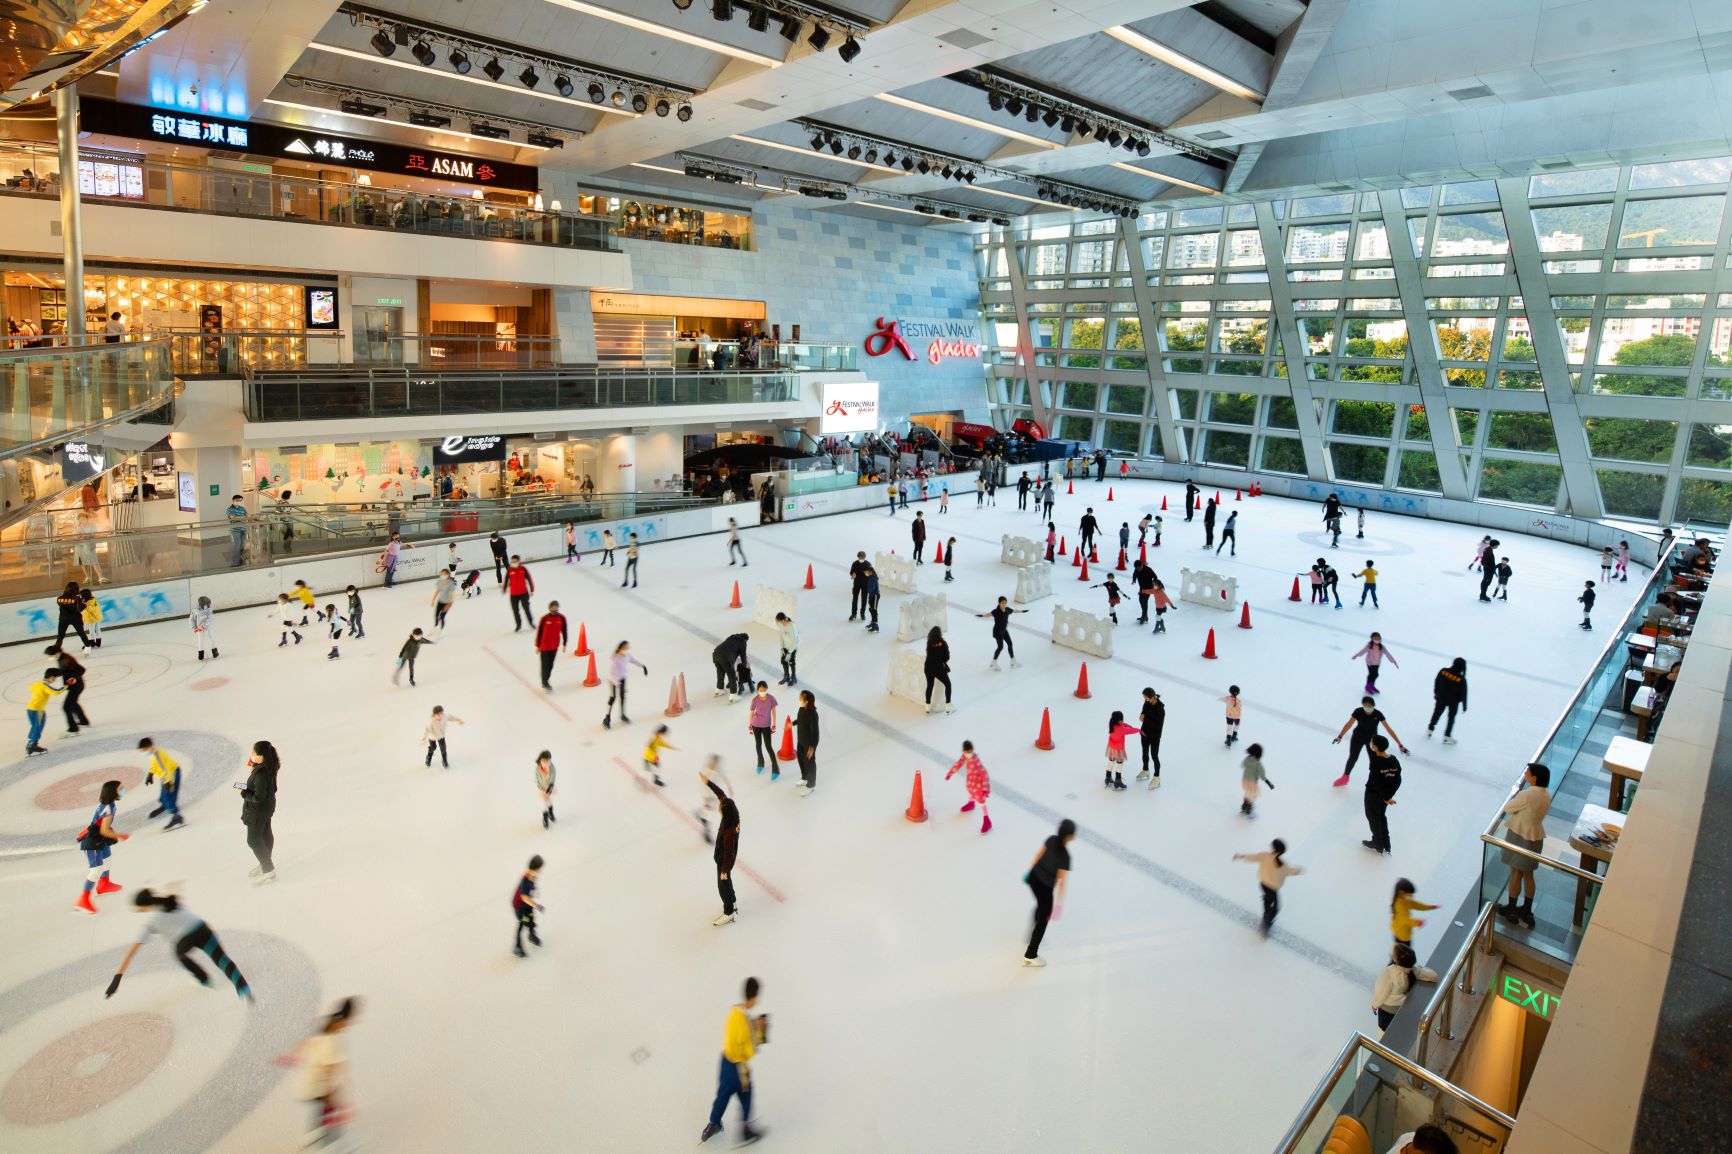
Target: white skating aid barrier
(917, 615)
(1201, 587)
(767, 602)
(1076, 629)
(1018, 551)
(895, 572)
(1033, 582)
(908, 674)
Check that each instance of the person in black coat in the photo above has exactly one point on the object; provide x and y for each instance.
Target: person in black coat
(937, 667)
(258, 806)
(1331, 508)
(71, 606)
(1190, 500)
(727, 848)
(1152, 720)
(857, 578)
(918, 530)
(727, 657)
(1487, 571)
(1209, 523)
(1448, 692)
(1087, 528)
(496, 544)
(806, 742)
(72, 675)
(1382, 780)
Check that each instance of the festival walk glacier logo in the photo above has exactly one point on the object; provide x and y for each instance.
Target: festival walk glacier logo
(947, 339)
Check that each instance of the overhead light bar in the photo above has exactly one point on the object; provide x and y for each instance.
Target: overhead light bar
(959, 118)
(1185, 64)
(1085, 120)
(666, 32)
(494, 70)
(1163, 176)
(377, 120)
(542, 140)
(826, 142)
(489, 131)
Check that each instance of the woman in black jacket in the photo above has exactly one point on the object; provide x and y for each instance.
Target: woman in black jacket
(71, 603)
(806, 742)
(1449, 692)
(258, 805)
(937, 667)
(727, 848)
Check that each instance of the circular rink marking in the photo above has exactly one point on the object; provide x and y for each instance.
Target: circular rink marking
(81, 1071)
(107, 674)
(66, 772)
(204, 683)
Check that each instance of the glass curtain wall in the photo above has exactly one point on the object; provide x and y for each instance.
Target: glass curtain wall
(1562, 342)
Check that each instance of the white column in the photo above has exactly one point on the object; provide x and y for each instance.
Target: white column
(618, 465)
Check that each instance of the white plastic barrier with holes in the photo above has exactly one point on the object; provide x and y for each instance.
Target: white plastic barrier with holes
(1033, 582)
(1076, 629)
(767, 602)
(1212, 590)
(908, 674)
(895, 572)
(1018, 551)
(917, 615)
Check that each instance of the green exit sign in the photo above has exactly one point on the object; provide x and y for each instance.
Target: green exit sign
(398, 301)
(1530, 998)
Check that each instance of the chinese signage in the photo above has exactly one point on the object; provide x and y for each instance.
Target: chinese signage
(462, 450)
(1530, 998)
(262, 139)
(80, 461)
(942, 339)
(849, 407)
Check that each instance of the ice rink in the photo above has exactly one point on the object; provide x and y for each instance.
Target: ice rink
(889, 951)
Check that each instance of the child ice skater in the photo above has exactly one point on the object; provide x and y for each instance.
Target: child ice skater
(1117, 730)
(976, 781)
(607, 547)
(1361, 533)
(1234, 708)
(324, 1063)
(652, 753)
(1375, 655)
(1163, 602)
(355, 629)
(545, 776)
(1504, 573)
(1113, 596)
(1393, 982)
(1272, 870)
(160, 766)
(204, 628)
(177, 925)
(1369, 589)
(92, 615)
(406, 655)
(305, 596)
(1051, 540)
(434, 735)
(1252, 776)
(1478, 552)
(571, 542)
(1623, 560)
(285, 616)
(95, 841)
(1606, 563)
(336, 629)
(1401, 920)
(1587, 603)
(524, 905)
(949, 556)
(36, 709)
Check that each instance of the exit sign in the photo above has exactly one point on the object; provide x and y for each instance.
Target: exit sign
(398, 301)
(1530, 998)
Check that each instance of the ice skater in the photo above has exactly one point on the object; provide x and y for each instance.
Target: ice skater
(335, 624)
(497, 547)
(1606, 563)
(917, 531)
(1113, 596)
(652, 753)
(355, 629)
(1000, 615)
(434, 735)
(36, 709)
(607, 547)
(1251, 777)
(92, 614)
(1479, 553)
(789, 638)
(324, 1063)
(1623, 560)
(806, 742)
(73, 677)
(1152, 719)
(761, 724)
(1487, 567)
(174, 923)
(304, 596)
(551, 634)
(619, 667)
(1382, 781)
(976, 782)
(1504, 573)
(1209, 508)
(1448, 692)
(1332, 584)
(937, 667)
(740, 1039)
(159, 766)
(1046, 877)
(524, 905)
(1235, 710)
(1586, 600)
(96, 840)
(726, 657)
(1402, 905)
(1117, 731)
(406, 656)
(1360, 535)
(727, 844)
(444, 593)
(571, 553)
(1087, 527)
(519, 583)
(1229, 535)
(949, 557)
(630, 571)
(286, 619)
(1272, 871)
(1163, 602)
(1369, 589)
(1375, 655)
(1393, 983)
(1364, 722)
(546, 777)
(1051, 541)
(735, 549)
(259, 810)
(204, 628)
(70, 603)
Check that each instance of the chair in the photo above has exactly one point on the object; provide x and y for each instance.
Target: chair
(1348, 1137)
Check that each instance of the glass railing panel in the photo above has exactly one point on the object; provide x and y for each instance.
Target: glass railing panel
(52, 391)
(1563, 897)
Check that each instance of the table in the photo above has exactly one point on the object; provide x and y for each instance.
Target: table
(1626, 759)
(1642, 705)
(1593, 854)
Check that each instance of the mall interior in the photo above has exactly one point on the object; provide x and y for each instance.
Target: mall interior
(324, 294)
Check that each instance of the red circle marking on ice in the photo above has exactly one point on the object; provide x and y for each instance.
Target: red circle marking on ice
(86, 1069)
(81, 790)
(210, 683)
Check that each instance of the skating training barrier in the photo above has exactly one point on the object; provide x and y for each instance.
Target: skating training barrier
(767, 602)
(895, 573)
(1201, 587)
(1018, 551)
(1075, 629)
(1033, 582)
(908, 675)
(917, 615)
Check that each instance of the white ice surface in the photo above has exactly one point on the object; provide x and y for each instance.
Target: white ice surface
(888, 950)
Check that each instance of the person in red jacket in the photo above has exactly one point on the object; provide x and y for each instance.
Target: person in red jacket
(550, 636)
(520, 585)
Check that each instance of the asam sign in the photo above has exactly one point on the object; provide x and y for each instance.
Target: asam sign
(943, 339)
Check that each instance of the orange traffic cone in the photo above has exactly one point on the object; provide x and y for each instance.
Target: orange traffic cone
(1237, 495)
(937, 554)
(674, 709)
(1095, 554)
(1209, 646)
(1082, 681)
(1044, 741)
(1069, 488)
(1294, 596)
(1076, 559)
(1245, 616)
(1062, 550)
(786, 753)
(591, 680)
(1217, 496)
(685, 702)
(1124, 562)
(809, 584)
(1163, 503)
(582, 649)
(1142, 552)
(916, 810)
(1109, 492)
(735, 602)
(1084, 574)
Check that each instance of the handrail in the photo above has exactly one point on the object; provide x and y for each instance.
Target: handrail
(1444, 996)
(1565, 867)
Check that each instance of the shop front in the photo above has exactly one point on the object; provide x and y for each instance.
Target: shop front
(696, 333)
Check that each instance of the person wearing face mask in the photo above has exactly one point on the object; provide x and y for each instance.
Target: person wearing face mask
(258, 806)
(95, 841)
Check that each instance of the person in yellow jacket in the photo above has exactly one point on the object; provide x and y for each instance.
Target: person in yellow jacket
(92, 615)
(36, 709)
(740, 1040)
(161, 766)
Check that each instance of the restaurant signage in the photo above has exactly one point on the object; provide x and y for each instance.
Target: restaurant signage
(462, 450)
(942, 339)
(259, 138)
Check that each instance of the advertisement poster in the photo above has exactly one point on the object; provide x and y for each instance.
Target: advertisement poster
(186, 488)
(849, 407)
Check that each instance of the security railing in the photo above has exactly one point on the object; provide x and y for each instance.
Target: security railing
(703, 356)
(195, 352)
(364, 393)
(68, 386)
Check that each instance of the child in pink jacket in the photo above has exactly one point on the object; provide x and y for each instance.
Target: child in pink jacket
(979, 786)
(1117, 731)
(1375, 655)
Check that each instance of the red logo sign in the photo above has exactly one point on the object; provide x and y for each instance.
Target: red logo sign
(887, 337)
(837, 408)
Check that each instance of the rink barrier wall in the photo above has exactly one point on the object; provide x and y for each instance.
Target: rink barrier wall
(908, 674)
(1033, 582)
(1019, 552)
(1202, 587)
(853, 498)
(768, 601)
(916, 616)
(895, 572)
(329, 575)
(1080, 630)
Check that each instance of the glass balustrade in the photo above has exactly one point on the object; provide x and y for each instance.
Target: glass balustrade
(68, 386)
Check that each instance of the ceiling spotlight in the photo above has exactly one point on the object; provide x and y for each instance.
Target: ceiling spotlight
(889, 160)
(1130, 144)
(835, 147)
(682, 5)
(617, 99)
(817, 142)
(1032, 114)
(685, 113)
(977, 218)
(853, 152)
(1142, 148)
(543, 140)
(1114, 137)
(529, 76)
(459, 61)
(424, 54)
(429, 120)
(1067, 125)
(493, 69)
(871, 156)
(945, 172)
(994, 101)
(1001, 222)
(925, 208)
(969, 176)
(820, 38)
(924, 167)
(597, 93)
(950, 213)
(362, 108)
(1050, 118)
(722, 9)
(562, 85)
(663, 108)
(790, 28)
(490, 131)
(757, 19)
(639, 103)
(382, 43)
(907, 164)
(1084, 129)
(849, 50)
(1012, 105)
